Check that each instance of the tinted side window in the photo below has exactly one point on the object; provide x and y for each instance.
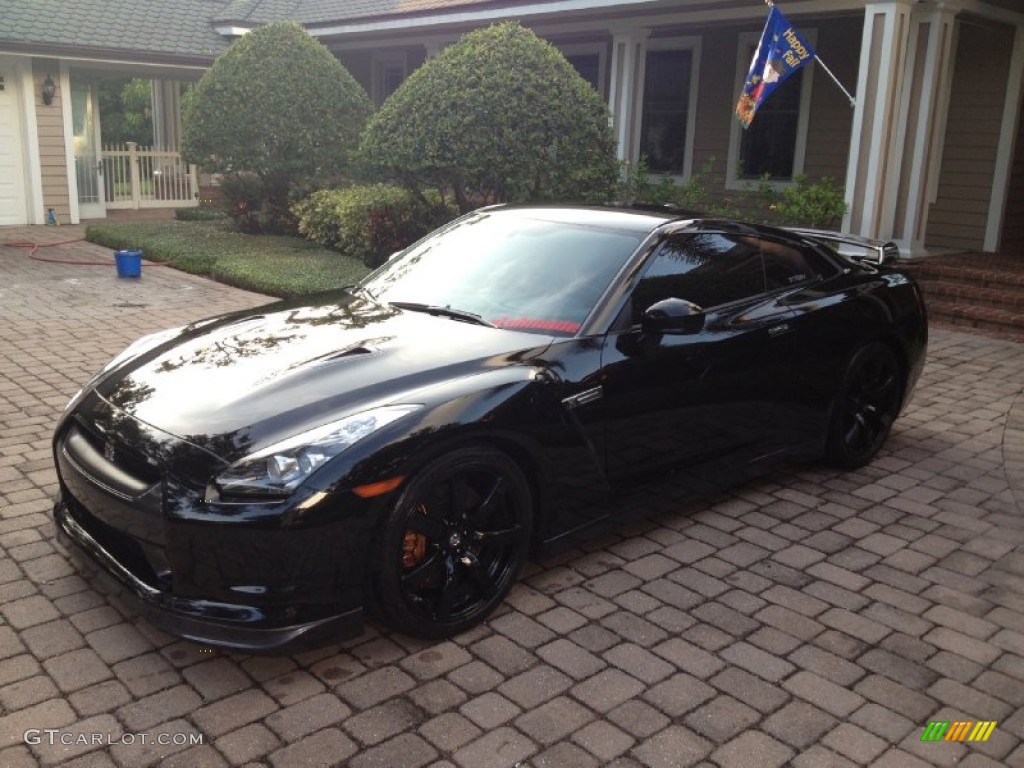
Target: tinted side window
(785, 266)
(708, 269)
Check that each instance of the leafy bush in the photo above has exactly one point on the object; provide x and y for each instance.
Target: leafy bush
(278, 107)
(691, 195)
(498, 116)
(371, 222)
(820, 205)
(635, 186)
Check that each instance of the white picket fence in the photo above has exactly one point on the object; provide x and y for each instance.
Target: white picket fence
(147, 177)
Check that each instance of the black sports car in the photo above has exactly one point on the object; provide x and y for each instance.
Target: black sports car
(256, 479)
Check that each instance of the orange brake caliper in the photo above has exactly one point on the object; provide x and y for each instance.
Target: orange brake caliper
(414, 545)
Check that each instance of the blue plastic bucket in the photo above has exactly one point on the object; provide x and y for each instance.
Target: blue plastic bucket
(129, 263)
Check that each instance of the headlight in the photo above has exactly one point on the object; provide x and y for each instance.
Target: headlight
(279, 469)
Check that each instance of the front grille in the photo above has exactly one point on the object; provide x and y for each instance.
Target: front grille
(125, 458)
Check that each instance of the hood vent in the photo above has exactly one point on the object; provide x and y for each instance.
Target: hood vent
(351, 351)
(355, 350)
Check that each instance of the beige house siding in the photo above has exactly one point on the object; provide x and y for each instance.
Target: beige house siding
(1013, 220)
(960, 213)
(52, 149)
(831, 116)
(715, 102)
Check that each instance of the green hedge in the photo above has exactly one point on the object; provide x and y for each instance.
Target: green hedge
(369, 222)
(273, 264)
(199, 213)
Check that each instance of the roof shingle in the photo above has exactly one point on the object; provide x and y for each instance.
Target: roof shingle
(172, 27)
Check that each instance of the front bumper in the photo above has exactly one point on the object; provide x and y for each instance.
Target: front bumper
(250, 577)
(243, 628)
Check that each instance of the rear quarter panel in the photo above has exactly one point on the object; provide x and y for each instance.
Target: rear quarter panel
(847, 311)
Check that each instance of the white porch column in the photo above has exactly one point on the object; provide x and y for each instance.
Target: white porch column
(873, 148)
(913, 181)
(625, 91)
(166, 114)
(1007, 132)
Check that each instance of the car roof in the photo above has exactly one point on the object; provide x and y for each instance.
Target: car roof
(640, 218)
(634, 220)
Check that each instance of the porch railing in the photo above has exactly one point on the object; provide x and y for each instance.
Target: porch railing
(147, 177)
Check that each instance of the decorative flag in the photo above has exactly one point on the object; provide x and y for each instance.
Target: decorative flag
(781, 52)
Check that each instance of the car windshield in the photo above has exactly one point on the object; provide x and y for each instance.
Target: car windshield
(520, 269)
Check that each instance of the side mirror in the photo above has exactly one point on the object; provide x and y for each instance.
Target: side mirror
(673, 315)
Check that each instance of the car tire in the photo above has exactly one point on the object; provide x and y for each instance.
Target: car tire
(452, 547)
(866, 407)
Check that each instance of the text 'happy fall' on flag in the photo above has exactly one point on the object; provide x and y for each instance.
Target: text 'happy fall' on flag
(781, 52)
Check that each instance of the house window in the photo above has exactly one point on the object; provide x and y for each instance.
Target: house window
(588, 60)
(389, 71)
(775, 142)
(666, 111)
(588, 65)
(769, 144)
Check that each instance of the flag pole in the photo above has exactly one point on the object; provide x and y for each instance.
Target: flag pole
(853, 102)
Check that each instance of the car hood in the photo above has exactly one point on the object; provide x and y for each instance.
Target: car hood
(249, 379)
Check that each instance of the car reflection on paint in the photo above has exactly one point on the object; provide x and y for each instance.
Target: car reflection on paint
(257, 480)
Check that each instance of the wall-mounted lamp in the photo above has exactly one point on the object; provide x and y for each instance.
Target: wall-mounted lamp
(49, 89)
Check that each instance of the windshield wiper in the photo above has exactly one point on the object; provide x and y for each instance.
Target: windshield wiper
(355, 288)
(431, 309)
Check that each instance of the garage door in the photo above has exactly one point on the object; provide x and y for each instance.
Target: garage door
(12, 152)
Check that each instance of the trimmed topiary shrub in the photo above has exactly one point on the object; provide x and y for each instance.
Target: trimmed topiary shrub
(242, 199)
(277, 105)
(499, 116)
(370, 222)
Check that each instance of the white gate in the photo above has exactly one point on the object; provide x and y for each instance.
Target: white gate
(146, 177)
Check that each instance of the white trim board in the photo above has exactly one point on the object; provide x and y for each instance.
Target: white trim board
(1007, 135)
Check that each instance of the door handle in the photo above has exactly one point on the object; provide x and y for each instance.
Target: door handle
(778, 330)
(582, 398)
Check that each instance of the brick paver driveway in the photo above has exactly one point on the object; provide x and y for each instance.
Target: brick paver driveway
(812, 619)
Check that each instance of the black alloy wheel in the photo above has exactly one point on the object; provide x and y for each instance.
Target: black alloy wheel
(453, 546)
(867, 406)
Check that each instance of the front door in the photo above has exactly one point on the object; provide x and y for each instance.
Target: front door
(686, 399)
(85, 121)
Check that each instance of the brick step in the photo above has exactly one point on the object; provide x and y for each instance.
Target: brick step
(1002, 321)
(970, 294)
(984, 277)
